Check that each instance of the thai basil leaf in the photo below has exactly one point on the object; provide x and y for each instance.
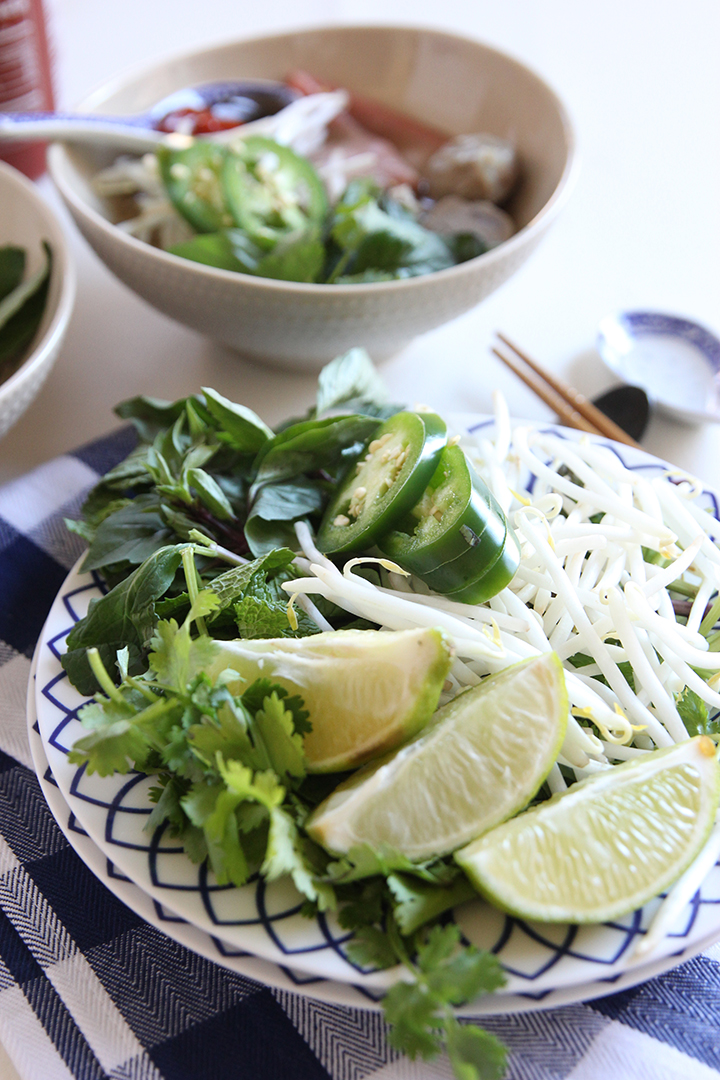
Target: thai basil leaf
(124, 617)
(210, 494)
(229, 249)
(263, 536)
(312, 445)
(130, 534)
(151, 415)
(244, 430)
(347, 380)
(288, 501)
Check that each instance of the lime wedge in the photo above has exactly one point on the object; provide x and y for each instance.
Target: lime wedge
(607, 845)
(482, 759)
(366, 691)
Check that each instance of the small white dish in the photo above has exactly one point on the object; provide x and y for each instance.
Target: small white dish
(675, 361)
(26, 220)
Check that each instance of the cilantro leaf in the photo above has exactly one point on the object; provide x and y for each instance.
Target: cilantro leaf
(253, 699)
(370, 947)
(364, 861)
(275, 725)
(457, 975)
(122, 737)
(226, 735)
(176, 658)
(417, 903)
(285, 855)
(412, 1012)
(694, 714)
(475, 1054)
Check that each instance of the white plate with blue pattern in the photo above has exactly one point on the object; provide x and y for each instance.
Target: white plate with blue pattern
(283, 977)
(265, 920)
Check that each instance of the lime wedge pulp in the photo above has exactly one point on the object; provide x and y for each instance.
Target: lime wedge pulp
(608, 844)
(366, 691)
(481, 759)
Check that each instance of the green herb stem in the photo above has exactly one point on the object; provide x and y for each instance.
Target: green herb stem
(193, 587)
(100, 672)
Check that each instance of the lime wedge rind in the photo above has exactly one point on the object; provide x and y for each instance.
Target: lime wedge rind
(607, 845)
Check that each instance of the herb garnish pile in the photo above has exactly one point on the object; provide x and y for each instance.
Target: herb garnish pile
(210, 486)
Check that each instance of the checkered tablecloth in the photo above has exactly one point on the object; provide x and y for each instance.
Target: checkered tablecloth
(88, 990)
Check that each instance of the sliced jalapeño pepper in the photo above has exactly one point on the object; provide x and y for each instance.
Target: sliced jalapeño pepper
(456, 534)
(192, 181)
(385, 483)
(493, 580)
(271, 191)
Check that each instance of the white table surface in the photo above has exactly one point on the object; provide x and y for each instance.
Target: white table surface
(642, 229)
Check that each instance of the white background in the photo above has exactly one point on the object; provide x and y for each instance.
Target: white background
(642, 230)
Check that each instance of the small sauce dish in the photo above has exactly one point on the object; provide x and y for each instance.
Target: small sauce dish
(676, 361)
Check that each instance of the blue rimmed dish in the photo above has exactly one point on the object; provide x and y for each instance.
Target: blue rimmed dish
(676, 361)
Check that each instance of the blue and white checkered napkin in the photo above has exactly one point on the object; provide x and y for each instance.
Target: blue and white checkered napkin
(88, 990)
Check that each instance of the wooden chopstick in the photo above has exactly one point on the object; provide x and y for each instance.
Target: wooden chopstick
(571, 406)
(551, 397)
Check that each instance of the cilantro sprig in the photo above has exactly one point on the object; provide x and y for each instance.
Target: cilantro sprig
(232, 785)
(210, 485)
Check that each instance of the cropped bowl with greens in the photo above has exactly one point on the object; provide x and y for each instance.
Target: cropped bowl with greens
(37, 289)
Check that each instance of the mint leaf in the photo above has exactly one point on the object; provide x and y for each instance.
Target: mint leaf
(235, 583)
